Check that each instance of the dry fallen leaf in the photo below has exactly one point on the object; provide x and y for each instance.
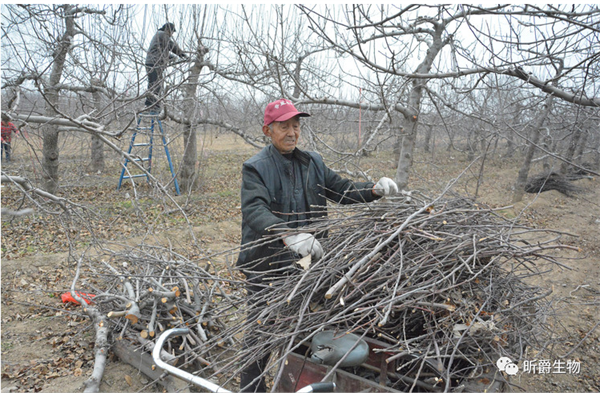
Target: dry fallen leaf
(305, 262)
(128, 380)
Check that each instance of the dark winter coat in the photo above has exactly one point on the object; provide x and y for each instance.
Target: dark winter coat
(160, 50)
(267, 199)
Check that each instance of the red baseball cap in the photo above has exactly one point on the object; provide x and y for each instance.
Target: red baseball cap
(281, 110)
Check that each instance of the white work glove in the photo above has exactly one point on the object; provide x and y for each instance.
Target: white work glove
(304, 244)
(385, 187)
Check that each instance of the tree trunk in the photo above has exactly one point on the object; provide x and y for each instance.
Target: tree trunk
(50, 132)
(535, 138)
(97, 146)
(427, 143)
(50, 153)
(579, 153)
(407, 144)
(405, 157)
(398, 140)
(510, 144)
(471, 145)
(547, 144)
(570, 154)
(188, 175)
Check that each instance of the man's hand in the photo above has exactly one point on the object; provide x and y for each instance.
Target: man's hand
(304, 244)
(385, 187)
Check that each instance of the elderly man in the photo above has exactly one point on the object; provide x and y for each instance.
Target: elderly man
(283, 189)
(157, 58)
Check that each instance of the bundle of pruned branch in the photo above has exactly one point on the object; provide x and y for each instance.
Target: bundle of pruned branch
(437, 282)
(553, 181)
(141, 291)
(442, 285)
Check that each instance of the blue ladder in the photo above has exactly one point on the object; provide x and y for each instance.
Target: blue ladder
(139, 129)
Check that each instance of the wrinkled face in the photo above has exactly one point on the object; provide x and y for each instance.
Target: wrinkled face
(284, 134)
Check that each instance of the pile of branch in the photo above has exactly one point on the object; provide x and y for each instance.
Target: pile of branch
(439, 281)
(134, 294)
(554, 181)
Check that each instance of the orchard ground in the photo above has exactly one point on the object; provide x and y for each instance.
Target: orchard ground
(48, 347)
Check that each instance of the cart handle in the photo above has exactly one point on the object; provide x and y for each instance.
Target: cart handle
(160, 341)
(318, 387)
(206, 384)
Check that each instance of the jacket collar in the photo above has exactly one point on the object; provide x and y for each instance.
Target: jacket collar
(302, 156)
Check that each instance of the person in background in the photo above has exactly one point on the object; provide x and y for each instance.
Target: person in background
(159, 54)
(8, 129)
(283, 190)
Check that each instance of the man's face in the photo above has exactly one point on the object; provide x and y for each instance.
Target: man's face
(284, 134)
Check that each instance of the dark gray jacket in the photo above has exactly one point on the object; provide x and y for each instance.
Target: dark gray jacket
(266, 199)
(160, 50)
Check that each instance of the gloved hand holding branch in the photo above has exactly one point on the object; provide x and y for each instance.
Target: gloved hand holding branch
(385, 187)
(304, 244)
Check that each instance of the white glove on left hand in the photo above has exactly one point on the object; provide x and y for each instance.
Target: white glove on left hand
(304, 244)
(385, 187)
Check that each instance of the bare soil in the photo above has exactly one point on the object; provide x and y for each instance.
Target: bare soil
(48, 347)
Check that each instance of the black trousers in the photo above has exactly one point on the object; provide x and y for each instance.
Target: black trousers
(155, 80)
(250, 373)
(254, 284)
(254, 370)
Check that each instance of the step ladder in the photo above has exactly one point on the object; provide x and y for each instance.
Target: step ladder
(137, 150)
